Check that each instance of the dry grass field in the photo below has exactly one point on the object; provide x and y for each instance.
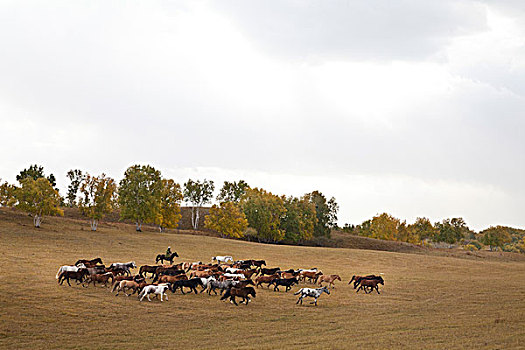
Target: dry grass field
(428, 301)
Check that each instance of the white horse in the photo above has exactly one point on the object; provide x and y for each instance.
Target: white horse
(309, 270)
(69, 268)
(311, 292)
(206, 282)
(238, 276)
(124, 266)
(233, 270)
(153, 289)
(222, 259)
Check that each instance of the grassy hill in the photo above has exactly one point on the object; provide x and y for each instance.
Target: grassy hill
(429, 300)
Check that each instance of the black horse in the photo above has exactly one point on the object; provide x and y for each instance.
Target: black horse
(162, 257)
(287, 282)
(192, 284)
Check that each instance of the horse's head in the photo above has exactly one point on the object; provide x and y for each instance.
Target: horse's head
(175, 254)
(337, 277)
(80, 265)
(380, 279)
(353, 278)
(326, 290)
(133, 265)
(98, 261)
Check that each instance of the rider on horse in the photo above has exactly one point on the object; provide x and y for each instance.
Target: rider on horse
(168, 252)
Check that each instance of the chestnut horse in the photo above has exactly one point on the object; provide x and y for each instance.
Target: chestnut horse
(243, 293)
(330, 279)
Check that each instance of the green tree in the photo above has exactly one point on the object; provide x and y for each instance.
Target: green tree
(168, 215)
(423, 228)
(264, 212)
(227, 219)
(38, 198)
(139, 194)
(97, 197)
(232, 191)
(7, 195)
(326, 213)
(75, 177)
(450, 230)
(365, 229)
(299, 220)
(495, 236)
(35, 172)
(198, 193)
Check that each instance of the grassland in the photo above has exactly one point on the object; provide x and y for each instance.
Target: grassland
(428, 301)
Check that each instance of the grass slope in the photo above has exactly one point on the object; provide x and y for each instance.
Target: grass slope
(428, 301)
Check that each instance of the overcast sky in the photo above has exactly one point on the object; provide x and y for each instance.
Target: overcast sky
(415, 108)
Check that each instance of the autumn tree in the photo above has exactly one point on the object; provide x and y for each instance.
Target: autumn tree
(139, 194)
(37, 197)
(7, 194)
(232, 191)
(227, 219)
(423, 228)
(264, 212)
(35, 172)
(299, 220)
(168, 214)
(198, 194)
(385, 227)
(97, 197)
(495, 236)
(75, 179)
(326, 213)
(450, 230)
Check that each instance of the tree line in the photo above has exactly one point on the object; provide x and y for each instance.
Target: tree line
(145, 197)
(448, 231)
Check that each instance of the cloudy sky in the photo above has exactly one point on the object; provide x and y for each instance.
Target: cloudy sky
(416, 108)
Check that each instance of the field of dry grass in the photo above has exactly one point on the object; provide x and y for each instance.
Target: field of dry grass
(428, 301)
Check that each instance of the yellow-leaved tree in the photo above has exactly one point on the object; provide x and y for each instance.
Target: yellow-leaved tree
(38, 198)
(227, 219)
(7, 195)
(97, 197)
(168, 214)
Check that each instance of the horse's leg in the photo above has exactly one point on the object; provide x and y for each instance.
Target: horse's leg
(235, 302)
(377, 290)
(68, 281)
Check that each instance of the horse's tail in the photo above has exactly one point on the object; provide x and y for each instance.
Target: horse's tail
(58, 272)
(298, 292)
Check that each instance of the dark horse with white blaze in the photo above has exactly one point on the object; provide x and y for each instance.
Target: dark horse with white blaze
(162, 257)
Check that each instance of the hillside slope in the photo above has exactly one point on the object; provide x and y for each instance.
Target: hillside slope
(427, 301)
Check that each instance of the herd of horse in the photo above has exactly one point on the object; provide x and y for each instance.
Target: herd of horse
(233, 279)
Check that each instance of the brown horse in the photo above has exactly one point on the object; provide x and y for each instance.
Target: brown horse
(243, 293)
(171, 279)
(371, 284)
(89, 263)
(75, 275)
(357, 279)
(265, 279)
(249, 273)
(330, 279)
(201, 274)
(144, 269)
(101, 278)
(123, 285)
(311, 275)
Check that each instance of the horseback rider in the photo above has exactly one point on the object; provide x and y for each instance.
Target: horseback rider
(168, 252)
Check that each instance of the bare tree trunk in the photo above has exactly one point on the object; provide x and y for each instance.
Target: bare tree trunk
(193, 217)
(196, 219)
(37, 220)
(94, 225)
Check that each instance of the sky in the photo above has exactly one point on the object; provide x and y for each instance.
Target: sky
(415, 108)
